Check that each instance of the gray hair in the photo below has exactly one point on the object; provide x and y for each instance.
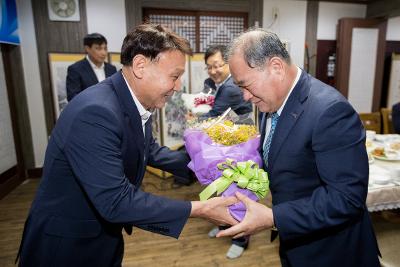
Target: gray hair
(258, 46)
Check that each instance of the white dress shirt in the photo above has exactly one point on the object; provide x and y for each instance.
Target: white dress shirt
(144, 114)
(99, 71)
(279, 111)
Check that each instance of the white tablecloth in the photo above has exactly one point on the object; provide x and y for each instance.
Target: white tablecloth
(383, 196)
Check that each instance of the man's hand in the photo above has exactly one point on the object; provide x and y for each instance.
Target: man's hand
(258, 217)
(215, 210)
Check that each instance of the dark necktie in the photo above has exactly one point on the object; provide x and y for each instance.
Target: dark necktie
(267, 144)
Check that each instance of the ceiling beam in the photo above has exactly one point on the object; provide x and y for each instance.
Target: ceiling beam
(383, 8)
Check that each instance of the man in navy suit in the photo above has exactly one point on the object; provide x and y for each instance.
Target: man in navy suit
(90, 70)
(314, 151)
(227, 94)
(96, 159)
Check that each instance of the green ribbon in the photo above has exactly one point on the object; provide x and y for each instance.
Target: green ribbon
(247, 174)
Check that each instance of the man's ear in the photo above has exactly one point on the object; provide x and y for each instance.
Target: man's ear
(139, 63)
(86, 48)
(277, 66)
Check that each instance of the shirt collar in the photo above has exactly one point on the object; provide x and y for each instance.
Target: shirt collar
(220, 84)
(94, 66)
(144, 114)
(279, 111)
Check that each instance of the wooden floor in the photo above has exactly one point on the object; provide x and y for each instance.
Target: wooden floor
(143, 248)
(193, 248)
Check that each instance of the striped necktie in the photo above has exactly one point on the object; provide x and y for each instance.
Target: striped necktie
(267, 144)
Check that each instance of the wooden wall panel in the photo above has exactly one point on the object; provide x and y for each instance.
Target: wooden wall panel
(383, 8)
(310, 60)
(134, 9)
(13, 72)
(55, 36)
(391, 47)
(343, 47)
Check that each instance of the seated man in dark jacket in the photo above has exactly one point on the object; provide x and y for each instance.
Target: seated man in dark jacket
(227, 94)
(90, 70)
(396, 117)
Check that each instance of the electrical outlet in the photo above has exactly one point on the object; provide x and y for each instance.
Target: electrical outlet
(275, 12)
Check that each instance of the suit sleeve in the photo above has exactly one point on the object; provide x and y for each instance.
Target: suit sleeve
(110, 69)
(163, 158)
(338, 142)
(93, 149)
(228, 97)
(73, 83)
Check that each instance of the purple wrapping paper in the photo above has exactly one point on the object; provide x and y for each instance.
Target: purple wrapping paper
(206, 155)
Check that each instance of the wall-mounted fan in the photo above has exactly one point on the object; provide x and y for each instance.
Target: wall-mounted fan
(63, 10)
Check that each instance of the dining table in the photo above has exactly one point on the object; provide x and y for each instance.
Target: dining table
(384, 173)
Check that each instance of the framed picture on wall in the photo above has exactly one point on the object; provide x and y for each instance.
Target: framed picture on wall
(185, 78)
(115, 59)
(198, 73)
(59, 63)
(173, 121)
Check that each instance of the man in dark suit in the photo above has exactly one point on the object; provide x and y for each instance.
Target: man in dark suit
(227, 94)
(96, 159)
(314, 151)
(90, 70)
(396, 117)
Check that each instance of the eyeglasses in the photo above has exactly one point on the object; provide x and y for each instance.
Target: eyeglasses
(215, 67)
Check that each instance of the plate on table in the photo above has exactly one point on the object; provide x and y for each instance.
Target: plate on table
(381, 180)
(370, 158)
(385, 154)
(397, 158)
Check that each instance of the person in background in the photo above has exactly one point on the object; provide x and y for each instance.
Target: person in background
(227, 94)
(96, 160)
(90, 70)
(396, 117)
(313, 146)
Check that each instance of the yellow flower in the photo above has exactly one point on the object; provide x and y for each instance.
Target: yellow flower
(228, 133)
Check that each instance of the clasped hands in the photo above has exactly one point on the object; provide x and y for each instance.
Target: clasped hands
(258, 216)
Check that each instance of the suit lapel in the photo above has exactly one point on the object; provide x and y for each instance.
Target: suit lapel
(262, 131)
(91, 75)
(148, 135)
(131, 113)
(290, 114)
(108, 70)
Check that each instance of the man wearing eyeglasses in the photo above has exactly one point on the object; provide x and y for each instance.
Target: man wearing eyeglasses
(227, 94)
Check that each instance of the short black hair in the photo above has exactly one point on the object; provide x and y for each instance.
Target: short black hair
(214, 49)
(150, 40)
(94, 38)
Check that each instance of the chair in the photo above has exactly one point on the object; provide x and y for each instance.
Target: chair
(371, 121)
(387, 120)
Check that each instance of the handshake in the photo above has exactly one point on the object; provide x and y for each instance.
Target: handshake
(258, 216)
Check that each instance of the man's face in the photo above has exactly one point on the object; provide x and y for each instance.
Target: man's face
(97, 53)
(259, 85)
(217, 69)
(162, 77)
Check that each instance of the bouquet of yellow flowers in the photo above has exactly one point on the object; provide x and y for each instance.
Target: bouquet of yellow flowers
(225, 156)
